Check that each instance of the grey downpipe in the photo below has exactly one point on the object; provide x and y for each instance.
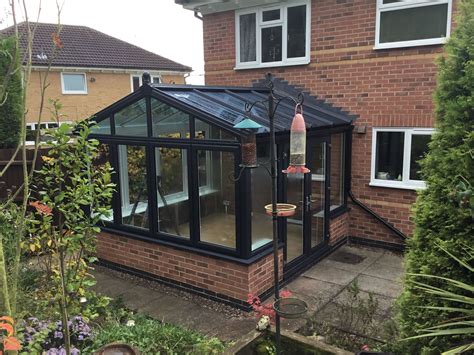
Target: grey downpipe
(367, 209)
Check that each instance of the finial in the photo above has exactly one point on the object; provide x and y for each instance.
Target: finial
(146, 78)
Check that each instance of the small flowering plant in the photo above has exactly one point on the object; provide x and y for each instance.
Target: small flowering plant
(265, 309)
(48, 337)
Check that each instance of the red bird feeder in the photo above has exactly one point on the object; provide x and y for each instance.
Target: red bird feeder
(297, 145)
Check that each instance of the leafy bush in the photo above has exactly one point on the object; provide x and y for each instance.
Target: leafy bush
(153, 337)
(11, 107)
(443, 212)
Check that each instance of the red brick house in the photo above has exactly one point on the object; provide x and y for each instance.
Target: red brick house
(186, 213)
(373, 58)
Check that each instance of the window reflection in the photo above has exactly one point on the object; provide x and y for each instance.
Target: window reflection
(168, 122)
(131, 121)
(133, 185)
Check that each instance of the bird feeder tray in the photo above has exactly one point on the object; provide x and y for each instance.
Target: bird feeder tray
(290, 307)
(283, 209)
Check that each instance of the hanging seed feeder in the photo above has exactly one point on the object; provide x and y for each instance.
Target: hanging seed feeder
(297, 144)
(249, 144)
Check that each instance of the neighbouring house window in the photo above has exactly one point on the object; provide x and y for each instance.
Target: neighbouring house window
(273, 36)
(32, 128)
(136, 81)
(133, 185)
(217, 206)
(74, 83)
(337, 170)
(404, 23)
(396, 154)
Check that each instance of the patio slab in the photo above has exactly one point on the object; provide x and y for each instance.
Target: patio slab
(379, 286)
(329, 273)
(384, 271)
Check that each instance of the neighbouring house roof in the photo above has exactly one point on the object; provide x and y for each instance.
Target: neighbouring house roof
(85, 47)
(225, 105)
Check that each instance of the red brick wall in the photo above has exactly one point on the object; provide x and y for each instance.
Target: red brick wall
(338, 228)
(212, 274)
(391, 87)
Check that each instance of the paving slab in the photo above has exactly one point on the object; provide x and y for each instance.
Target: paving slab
(393, 260)
(325, 272)
(384, 271)
(384, 302)
(379, 286)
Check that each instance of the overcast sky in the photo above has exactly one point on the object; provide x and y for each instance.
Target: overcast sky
(159, 26)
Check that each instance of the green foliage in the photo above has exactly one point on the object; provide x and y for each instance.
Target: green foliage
(153, 337)
(461, 308)
(11, 102)
(73, 196)
(443, 212)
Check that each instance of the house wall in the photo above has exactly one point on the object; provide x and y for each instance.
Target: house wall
(386, 88)
(105, 90)
(217, 277)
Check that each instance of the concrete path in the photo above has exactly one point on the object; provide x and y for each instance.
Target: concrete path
(376, 271)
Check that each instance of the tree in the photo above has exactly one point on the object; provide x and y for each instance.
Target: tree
(11, 100)
(443, 213)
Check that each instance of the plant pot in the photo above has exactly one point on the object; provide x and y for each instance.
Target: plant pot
(117, 349)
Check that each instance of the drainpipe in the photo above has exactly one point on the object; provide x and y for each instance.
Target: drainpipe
(367, 209)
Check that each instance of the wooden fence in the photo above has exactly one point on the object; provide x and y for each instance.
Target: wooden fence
(13, 177)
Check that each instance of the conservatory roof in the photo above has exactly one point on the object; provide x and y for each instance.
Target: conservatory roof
(225, 106)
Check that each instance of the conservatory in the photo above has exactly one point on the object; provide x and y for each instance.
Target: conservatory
(187, 212)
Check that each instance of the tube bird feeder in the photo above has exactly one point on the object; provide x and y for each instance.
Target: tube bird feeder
(297, 145)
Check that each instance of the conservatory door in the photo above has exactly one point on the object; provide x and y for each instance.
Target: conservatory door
(315, 194)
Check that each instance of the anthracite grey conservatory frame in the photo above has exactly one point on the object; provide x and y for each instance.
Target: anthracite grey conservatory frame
(134, 122)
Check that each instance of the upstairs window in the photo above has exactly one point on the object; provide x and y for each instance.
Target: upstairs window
(273, 36)
(396, 155)
(74, 83)
(405, 23)
(136, 81)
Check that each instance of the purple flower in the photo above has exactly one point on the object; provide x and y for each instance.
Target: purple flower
(58, 335)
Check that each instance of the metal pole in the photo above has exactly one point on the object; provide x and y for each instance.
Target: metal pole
(273, 171)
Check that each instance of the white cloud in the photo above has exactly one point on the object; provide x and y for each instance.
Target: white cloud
(160, 26)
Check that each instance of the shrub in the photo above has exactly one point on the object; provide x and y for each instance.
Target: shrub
(153, 337)
(11, 102)
(443, 212)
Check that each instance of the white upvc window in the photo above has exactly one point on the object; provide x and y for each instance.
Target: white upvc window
(407, 23)
(273, 36)
(74, 83)
(396, 153)
(136, 81)
(31, 129)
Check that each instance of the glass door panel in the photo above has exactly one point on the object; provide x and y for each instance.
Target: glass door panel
(294, 224)
(317, 191)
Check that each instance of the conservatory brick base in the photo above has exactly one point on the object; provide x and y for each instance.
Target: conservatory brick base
(216, 277)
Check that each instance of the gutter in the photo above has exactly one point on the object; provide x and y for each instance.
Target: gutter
(367, 209)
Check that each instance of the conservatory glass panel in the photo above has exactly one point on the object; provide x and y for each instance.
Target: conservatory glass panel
(168, 122)
(217, 198)
(337, 171)
(133, 185)
(262, 232)
(103, 158)
(204, 130)
(131, 121)
(172, 191)
(101, 127)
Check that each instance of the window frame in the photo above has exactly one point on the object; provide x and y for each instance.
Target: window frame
(406, 182)
(381, 7)
(140, 80)
(74, 92)
(260, 24)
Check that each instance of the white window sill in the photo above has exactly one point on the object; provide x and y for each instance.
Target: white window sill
(398, 185)
(304, 61)
(418, 43)
(75, 93)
